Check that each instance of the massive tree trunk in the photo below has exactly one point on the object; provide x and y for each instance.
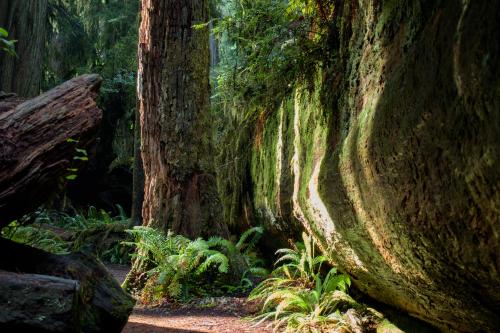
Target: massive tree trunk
(180, 188)
(26, 22)
(34, 149)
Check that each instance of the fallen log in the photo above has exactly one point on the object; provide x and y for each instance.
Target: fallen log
(102, 305)
(38, 303)
(35, 152)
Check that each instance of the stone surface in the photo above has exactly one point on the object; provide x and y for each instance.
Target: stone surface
(393, 161)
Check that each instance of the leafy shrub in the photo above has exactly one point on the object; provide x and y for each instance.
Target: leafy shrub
(183, 268)
(81, 221)
(297, 296)
(7, 45)
(176, 261)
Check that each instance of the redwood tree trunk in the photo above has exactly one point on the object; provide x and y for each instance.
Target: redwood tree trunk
(138, 175)
(26, 22)
(173, 89)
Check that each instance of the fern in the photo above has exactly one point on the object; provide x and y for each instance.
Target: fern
(177, 260)
(296, 297)
(256, 232)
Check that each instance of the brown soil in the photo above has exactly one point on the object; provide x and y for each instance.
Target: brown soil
(215, 314)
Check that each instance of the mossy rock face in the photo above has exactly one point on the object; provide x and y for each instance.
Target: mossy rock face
(397, 172)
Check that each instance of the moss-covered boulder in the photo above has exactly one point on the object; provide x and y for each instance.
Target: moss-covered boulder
(393, 161)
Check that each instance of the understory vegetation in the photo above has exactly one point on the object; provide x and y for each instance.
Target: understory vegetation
(184, 268)
(94, 231)
(7, 45)
(299, 296)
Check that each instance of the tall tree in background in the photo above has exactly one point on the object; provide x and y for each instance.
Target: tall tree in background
(173, 90)
(26, 22)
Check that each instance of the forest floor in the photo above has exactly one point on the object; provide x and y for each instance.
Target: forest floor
(214, 314)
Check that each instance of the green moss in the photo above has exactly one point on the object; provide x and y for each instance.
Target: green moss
(387, 16)
(387, 327)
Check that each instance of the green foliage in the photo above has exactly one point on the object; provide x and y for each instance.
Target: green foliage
(7, 45)
(36, 236)
(183, 268)
(93, 36)
(176, 260)
(297, 296)
(81, 221)
(79, 157)
(62, 233)
(266, 47)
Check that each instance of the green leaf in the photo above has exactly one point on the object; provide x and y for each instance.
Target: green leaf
(81, 158)
(71, 177)
(82, 151)
(71, 140)
(4, 33)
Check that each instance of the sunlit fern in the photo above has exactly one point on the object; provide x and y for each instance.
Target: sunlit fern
(296, 297)
(176, 259)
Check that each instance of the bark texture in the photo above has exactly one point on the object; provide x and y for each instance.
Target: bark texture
(173, 87)
(26, 21)
(395, 158)
(101, 304)
(34, 151)
(38, 303)
(138, 175)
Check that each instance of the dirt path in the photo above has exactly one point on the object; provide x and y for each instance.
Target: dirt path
(218, 314)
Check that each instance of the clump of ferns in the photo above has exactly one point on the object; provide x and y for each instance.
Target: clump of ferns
(183, 267)
(298, 297)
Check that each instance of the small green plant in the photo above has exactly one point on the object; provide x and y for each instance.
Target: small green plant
(6, 44)
(297, 297)
(36, 236)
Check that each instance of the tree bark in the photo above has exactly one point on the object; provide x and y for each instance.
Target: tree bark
(138, 175)
(26, 22)
(38, 303)
(173, 90)
(102, 305)
(34, 149)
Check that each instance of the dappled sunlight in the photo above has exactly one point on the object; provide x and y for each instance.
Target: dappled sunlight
(316, 208)
(320, 213)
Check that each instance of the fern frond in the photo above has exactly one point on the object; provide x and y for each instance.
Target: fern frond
(255, 231)
(216, 258)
